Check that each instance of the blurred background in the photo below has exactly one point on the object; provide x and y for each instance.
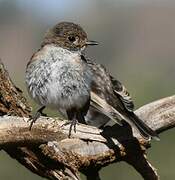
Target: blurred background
(137, 45)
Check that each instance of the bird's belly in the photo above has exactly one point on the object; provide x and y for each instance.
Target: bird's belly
(66, 97)
(59, 86)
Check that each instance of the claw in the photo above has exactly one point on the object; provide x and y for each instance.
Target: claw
(34, 118)
(70, 129)
(72, 124)
(75, 122)
(31, 124)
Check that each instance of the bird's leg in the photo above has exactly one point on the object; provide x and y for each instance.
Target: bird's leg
(77, 118)
(34, 118)
(80, 118)
(76, 115)
(72, 124)
(72, 121)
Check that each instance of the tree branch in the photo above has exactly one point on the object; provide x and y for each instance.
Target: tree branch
(47, 150)
(159, 115)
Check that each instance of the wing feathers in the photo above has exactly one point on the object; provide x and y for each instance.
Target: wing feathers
(102, 106)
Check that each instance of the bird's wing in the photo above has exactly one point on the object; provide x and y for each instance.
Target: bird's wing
(103, 97)
(110, 97)
(117, 115)
(108, 84)
(102, 106)
(123, 94)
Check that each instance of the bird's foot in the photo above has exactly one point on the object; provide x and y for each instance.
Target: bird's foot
(72, 123)
(34, 118)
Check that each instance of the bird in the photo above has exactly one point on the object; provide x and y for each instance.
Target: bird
(56, 75)
(110, 100)
(60, 76)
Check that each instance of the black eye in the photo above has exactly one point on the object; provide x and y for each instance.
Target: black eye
(71, 38)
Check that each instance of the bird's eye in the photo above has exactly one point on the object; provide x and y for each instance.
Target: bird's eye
(71, 38)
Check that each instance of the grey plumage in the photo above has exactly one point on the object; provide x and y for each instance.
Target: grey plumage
(58, 78)
(111, 101)
(61, 77)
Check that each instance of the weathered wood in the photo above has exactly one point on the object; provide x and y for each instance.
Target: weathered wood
(12, 102)
(159, 114)
(47, 150)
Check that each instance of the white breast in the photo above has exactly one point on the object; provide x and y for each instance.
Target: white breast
(58, 78)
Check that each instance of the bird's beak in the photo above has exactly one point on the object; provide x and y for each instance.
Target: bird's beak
(91, 43)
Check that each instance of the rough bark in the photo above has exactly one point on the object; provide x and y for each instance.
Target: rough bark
(47, 150)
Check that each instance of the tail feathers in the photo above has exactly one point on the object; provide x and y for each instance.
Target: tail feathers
(102, 106)
(144, 129)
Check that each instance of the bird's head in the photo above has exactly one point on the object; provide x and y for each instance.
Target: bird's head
(69, 36)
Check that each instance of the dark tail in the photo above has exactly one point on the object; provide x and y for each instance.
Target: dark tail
(145, 131)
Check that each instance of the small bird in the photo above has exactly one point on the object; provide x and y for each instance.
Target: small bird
(59, 76)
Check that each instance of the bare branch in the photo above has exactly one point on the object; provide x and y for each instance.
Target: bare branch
(87, 151)
(12, 102)
(159, 114)
(90, 142)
